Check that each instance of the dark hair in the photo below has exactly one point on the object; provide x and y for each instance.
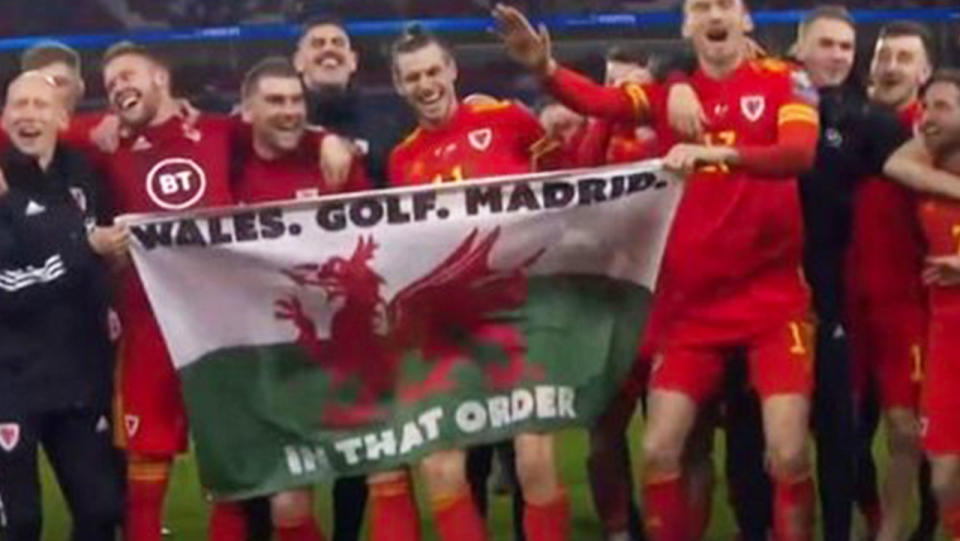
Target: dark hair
(899, 29)
(414, 38)
(943, 75)
(44, 54)
(630, 55)
(124, 48)
(321, 20)
(833, 12)
(274, 66)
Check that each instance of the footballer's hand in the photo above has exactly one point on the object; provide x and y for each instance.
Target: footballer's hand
(942, 271)
(686, 158)
(685, 112)
(112, 243)
(336, 160)
(106, 135)
(528, 46)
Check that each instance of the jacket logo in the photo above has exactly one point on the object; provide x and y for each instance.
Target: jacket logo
(9, 436)
(79, 198)
(753, 107)
(34, 208)
(480, 139)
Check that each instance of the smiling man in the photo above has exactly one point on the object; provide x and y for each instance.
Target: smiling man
(328, 63)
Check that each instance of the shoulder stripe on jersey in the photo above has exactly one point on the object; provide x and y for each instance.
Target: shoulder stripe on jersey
(541, 148)
(13, 280)
(410, 138)
(641, 104)
(486, 107)
(797, 113)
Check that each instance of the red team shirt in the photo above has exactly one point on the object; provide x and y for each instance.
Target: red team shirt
(479, 141)
(940, 219)
(295, 175)
(886, 300)
(605, 142)
(733, 259)
(170, 167)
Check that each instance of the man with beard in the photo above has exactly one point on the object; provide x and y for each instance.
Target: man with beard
(886, 301)
(939, 145)
(55, 363)
(163, 163)
(740, 217)
(327, 64)
(458, 141)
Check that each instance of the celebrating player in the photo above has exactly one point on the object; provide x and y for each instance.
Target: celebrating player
(458, 141)
(734, 254)
(162, 164)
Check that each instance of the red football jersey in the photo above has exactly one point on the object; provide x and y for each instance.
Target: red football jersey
(479, 141)
(295, 175)
(170, 167)
(733, 258)
(606, 142)
(885, 259)
(940, 219)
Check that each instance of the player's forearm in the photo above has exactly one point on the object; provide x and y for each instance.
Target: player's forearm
(793, 154)
(911, 167)
(588, 98)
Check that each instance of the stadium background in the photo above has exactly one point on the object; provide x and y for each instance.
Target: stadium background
(211, 43)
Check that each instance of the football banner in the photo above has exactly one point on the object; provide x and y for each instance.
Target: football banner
(355, 333)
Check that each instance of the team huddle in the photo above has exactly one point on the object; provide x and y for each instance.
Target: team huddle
(812, 274)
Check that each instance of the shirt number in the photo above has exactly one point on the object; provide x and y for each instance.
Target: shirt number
(726, 138)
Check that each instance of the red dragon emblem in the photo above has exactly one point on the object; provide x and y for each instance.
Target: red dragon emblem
(441, 315)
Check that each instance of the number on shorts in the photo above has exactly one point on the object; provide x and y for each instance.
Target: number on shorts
(916, 355)
(799, 339)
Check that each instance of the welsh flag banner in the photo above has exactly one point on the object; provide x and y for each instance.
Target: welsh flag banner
(356, 333)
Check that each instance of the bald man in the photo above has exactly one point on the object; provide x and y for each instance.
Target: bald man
(55, 362)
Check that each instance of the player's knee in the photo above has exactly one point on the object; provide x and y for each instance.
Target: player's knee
(662, 454)
(789, 457)
(536, 470)
(291, 508)
(444, 472)
(903, 435)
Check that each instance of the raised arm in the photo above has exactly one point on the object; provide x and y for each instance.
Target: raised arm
(912, 166)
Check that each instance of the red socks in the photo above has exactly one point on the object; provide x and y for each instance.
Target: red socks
(393, 512)
(667, 511)
(307, 531)
(146, 489)
(458, 519)
(793, 502)
(228, 522)
(548, 521)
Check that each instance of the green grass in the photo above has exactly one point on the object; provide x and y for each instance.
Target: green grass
(187, 511)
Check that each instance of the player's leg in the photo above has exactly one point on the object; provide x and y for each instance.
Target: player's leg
(866, 491)
(393, 509)
(699, 471)
(147, 479)
(781, 368)
(681, 380)
(479, 465)
(946, 485)
(929, 519)
(349, 504)
(903, 444)
(455, 514)
(228, 522)
(21, 512)
(546, 514)
(292, 515)
(89, 470)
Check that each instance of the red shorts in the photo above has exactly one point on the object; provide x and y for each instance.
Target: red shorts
(887, 348)
(941, 393)
(780, 362)
(149, 410)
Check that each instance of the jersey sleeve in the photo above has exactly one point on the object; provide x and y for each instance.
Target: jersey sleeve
(798, 129)
(593, 145)
(546, 153)
(627, 102)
